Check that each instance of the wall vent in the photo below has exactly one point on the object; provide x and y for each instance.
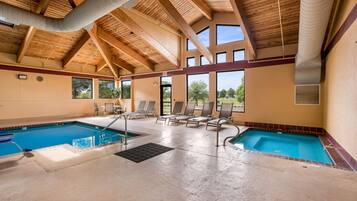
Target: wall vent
(307, 94)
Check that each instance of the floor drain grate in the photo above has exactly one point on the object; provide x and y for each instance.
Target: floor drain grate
(143, 152)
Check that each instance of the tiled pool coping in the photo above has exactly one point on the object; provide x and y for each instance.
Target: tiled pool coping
(337, 158)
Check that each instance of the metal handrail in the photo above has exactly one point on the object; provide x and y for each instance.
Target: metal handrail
(125, 127)
(218, 129)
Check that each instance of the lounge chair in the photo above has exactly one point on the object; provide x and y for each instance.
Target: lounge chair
(176, 111)
(206, 115)
(224, 114)
(150, 111)
(140, 110)
(108, 108)
(189, 110)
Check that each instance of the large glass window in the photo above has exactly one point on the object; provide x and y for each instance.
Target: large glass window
(230, 89)
(229, 33)
(82, 88)
(221, 57)
(238, 55)
(197, 89)
(106, 89)
(203, 60)
(203, 36)
(126, 89)
(191, 61)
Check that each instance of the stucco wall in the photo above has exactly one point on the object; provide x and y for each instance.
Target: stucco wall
(340, 87)
(51, 97)
(269, 96)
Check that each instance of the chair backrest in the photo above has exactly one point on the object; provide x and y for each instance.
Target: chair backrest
(226, 110)
(177, 107)
(190, 109)
(109, 107)
(96, 107)
(207, 109)
(151, 107)
(141, 106)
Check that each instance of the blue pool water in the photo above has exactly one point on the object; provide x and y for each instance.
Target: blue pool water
(74, 133)
(306, 147)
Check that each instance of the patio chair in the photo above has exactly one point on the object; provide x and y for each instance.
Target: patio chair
(150, 111)
(189, 113)
(7, 138)
(140, 110)
(206, 115)
(224, 115)
(96, 109)
(176, 111)
(108, 108)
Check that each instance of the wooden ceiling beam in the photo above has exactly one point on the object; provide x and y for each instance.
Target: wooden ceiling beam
(25, 44)
(101, 65)
(124, 65)
(72, 3)
(185, 28)
(103, 49)
(240, 15)
(203, 8)
(75, 49)
(42, 7)
(123, 48)
(122, 17)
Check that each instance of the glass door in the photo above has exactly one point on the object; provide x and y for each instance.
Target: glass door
(165, 96)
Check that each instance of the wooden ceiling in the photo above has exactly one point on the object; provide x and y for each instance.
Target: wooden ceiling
(262, 18)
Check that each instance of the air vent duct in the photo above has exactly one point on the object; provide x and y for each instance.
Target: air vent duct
(314, 17)
(81, 16)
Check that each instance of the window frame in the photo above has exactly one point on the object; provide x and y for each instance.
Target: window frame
(92, 88)
(187, 87)
(237, 50)
(202, 30)
(244, 90)
(201, 61)
(237, 25)
(121, 91)
(99, 80)
(223, 52)
(187, 58)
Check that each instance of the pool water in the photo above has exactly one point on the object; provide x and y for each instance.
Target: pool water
(79, 135)
(306, 147)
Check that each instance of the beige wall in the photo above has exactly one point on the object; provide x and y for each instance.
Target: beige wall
(51, 97)
(340, 97)
(269, 96)
(147, 89)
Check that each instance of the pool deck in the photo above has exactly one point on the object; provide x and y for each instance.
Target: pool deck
(194, 170)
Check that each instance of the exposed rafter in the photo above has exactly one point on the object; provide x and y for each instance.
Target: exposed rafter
(185, 28)
(139, 31)
(25, 44)
(103, 49)
(101, 65)
(203, 8)
(42, 7)
(240, 15)
(123, 48)
(122, 64)
(75, 49)
(72, 3)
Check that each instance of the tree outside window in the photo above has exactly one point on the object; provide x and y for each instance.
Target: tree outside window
(230, 89)
(82, 88)
(126, 89)
(106, 89)
(197, 89)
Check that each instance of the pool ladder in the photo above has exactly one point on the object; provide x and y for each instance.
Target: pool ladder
(218, 129)
(125, 127)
